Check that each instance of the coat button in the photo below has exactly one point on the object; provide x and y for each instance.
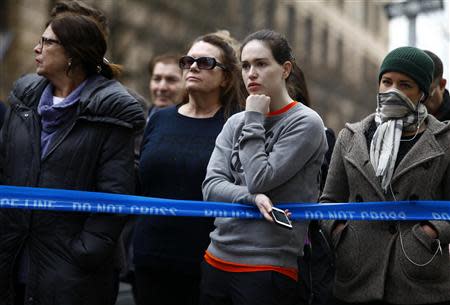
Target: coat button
(426, 165)
(392, 229)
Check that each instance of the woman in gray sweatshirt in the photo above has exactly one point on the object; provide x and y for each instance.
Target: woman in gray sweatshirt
(271, 153)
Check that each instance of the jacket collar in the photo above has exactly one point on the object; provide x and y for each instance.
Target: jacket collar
(426, 149)
(102, 100)
(27, 90)
(358, 154)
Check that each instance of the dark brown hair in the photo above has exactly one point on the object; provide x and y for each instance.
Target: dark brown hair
(282, 52)
(84, 43)
(438, 67)
(77, 7)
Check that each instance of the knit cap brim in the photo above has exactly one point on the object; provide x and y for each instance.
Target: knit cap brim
(412, 62)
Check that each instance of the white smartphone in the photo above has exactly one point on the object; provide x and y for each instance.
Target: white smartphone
(280, 218)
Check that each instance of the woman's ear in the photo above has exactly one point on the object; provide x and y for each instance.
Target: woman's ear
(287, 68)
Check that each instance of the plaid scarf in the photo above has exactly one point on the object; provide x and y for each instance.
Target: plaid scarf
(395, 113)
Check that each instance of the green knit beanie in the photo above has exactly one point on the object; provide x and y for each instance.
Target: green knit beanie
(412, 62)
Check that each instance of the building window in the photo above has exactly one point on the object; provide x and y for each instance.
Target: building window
(340, 55)
(291, 25)
(247, 16)
(270, 13)
(366, 67)
(308, 43)
(366, 13)
(376, 18)
(324, 45)
(6, 34)
(3, 16)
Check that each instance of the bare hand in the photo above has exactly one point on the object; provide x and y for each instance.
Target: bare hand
(258, 102)
(430, 231)
(288, 213)
(264, 205)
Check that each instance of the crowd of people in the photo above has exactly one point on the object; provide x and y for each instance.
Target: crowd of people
(228, 122)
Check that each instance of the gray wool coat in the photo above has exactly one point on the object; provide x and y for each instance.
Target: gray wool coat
(370, 262)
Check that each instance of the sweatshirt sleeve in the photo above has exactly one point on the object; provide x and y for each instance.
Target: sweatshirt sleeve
(219, 182)
(298, 143)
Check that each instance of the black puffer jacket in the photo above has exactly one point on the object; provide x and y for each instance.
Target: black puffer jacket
(71, 254)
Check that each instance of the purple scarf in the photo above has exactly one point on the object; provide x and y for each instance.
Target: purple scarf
(53, 116)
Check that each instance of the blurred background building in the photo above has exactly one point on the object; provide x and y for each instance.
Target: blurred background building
(338, 43)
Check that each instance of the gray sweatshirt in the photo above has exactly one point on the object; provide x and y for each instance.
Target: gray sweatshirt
(279, 156)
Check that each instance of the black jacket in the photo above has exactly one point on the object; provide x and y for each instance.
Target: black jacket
(71, 254)
(443, 114)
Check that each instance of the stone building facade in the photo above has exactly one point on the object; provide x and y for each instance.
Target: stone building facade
(338, 43)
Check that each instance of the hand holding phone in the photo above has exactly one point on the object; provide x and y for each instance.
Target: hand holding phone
(264, 205)
(280, 218)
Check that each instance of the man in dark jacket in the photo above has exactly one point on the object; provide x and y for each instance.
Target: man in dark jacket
(438, 103)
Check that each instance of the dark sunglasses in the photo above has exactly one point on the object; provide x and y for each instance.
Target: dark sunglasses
(204, 63)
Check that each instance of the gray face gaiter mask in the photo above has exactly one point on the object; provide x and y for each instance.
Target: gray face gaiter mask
(395, 113)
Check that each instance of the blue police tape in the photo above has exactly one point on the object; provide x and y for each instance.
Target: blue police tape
(92, 202)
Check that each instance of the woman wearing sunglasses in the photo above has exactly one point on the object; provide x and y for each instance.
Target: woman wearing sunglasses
(269, 154)
(176, 148)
